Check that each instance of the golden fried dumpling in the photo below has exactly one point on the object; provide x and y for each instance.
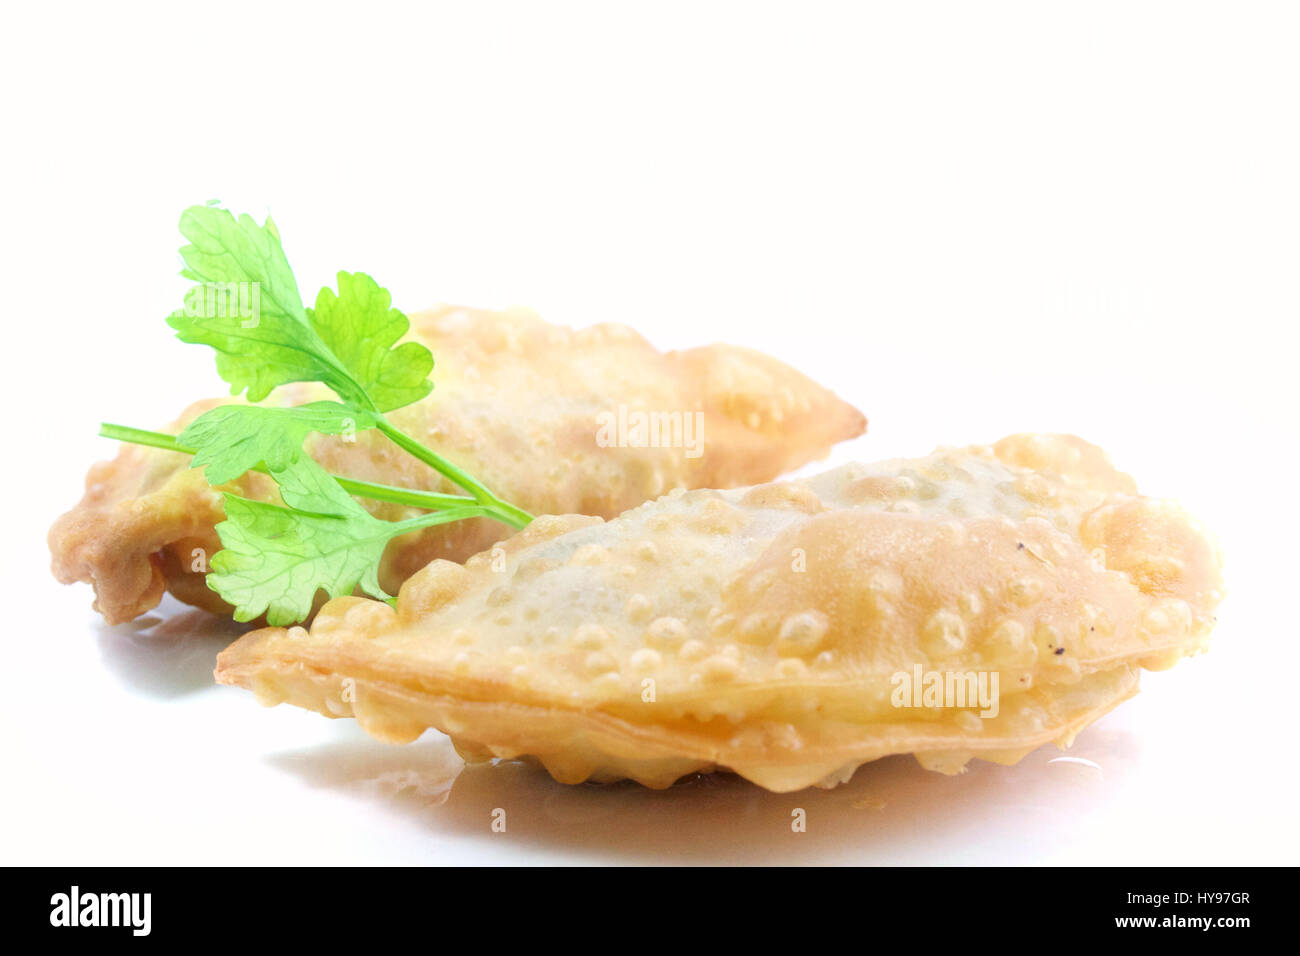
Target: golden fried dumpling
(764, 630)
(518, 403)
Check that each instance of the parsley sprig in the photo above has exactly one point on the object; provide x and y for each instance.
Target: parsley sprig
(247, 308)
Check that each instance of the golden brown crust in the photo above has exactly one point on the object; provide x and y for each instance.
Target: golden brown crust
(145, 525)
(764, 629)
(515, 403)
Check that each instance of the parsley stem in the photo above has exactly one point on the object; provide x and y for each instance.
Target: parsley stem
(504, 511)
(443, 517)
(364, 489)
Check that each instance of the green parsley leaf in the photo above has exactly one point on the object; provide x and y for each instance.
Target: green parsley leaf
(276, 559)
(247, 305)
(306, 486)
(361, 328)
(232, 439)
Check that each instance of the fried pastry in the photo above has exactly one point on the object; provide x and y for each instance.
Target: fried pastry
(519, 403)
(764, 630)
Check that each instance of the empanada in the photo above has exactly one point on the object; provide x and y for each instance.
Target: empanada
(518, 403)
(764, 630)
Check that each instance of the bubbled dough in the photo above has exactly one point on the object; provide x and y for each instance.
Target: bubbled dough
(515, 404)
(770, 620)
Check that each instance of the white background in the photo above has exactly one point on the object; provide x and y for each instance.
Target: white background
(969, 219)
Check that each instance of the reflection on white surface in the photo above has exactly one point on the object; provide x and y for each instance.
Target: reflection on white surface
(169, 652)
(227, 780)
(889, 806)
(1078, 762)
(891, 810)
(416, 776)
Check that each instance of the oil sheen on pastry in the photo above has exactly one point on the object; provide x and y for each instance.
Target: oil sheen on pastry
(518, 403)
(763, 630)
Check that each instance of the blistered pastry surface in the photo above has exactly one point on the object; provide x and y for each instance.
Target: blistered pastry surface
(516, 404)
(761, 629)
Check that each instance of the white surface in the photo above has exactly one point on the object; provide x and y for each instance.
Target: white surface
(969, 220)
